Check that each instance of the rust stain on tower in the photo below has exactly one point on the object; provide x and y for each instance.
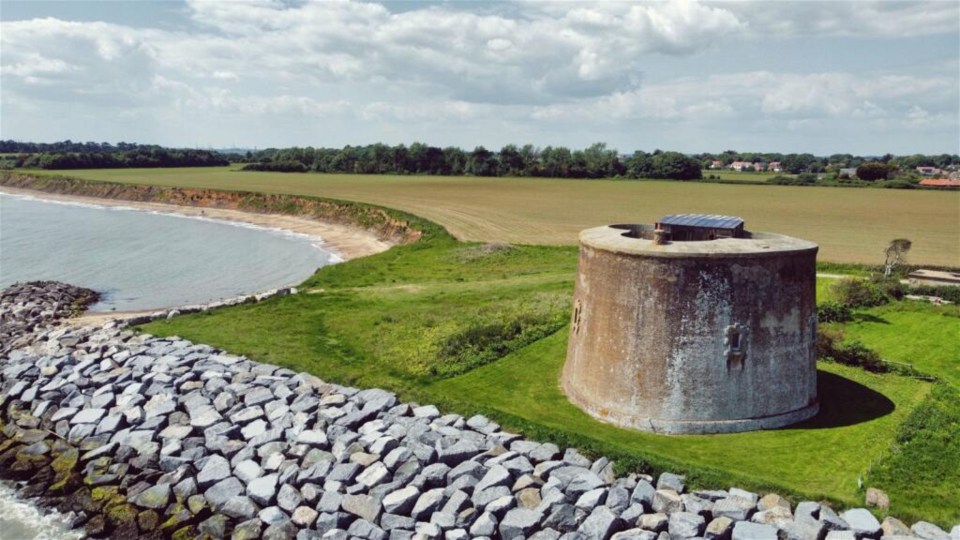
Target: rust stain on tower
(693, 325)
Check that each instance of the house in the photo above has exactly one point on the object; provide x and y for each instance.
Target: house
(929, 171)
(941, 182)
(774, 166)
(716, 164)
(848, 171)
(741, 165)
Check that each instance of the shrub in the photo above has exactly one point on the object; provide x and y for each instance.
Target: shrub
(950, 293)
(828, 312)
(831, 347)
(858, 293)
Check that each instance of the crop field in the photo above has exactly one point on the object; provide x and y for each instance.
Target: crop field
(850, 225)
(742, 176)
(483, 329)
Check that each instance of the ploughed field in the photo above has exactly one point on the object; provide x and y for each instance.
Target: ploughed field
(482, 328)
(849, 224)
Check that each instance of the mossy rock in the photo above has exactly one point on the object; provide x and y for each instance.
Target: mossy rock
(122, 516)
(66, 461)
(186, 533)
(65, 483)
(179, 514)
(148, 520)
(107, 494)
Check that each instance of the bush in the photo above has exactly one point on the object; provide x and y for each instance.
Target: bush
(831, 347)
(858, 293)
(950, 293)
(828, 312)
(892, 288)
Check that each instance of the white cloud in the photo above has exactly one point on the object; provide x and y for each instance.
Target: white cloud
(875, 18)
(490, 72)
(787, 96)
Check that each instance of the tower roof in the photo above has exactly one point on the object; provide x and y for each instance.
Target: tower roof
(702, 220)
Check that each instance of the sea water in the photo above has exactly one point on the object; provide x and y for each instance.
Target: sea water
(141, 260)
(137, 260)
(20, 520)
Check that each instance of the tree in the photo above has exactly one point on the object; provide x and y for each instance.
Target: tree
(896, 254)
(875, 171)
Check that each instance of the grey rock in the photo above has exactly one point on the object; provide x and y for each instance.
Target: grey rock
(363, 506)
(263, 490)
(239, 508)
(88, 416)
(459, 452)
(685, 525)
(484, 526)
(591, 499)
(155, 497)
(285, 530)
(519, 523)
(428, 503)
(862, 522)
(921, 529)
(248, 529)
(288, 498)
(830, 520)
(735, 508)
(495, 476)
(215, 469)
(719, 528)
(745, 530)
(401, 501)
(671, 481)
(634, 534)
(373, 475)
(667, 501)
(601, 524)
(657, 522)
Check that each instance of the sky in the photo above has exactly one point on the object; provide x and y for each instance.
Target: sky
(856, 77)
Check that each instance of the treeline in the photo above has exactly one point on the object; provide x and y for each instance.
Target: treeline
(809, 163)
(596, 161)
(142, 157)
(16, 147)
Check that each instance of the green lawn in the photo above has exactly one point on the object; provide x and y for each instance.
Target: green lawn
(482, 328)
(913, 332)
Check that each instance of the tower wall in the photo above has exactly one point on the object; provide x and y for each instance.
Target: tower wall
(694, 337)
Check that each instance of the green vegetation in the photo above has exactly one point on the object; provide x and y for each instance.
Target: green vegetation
(851, 226)
(482, 328)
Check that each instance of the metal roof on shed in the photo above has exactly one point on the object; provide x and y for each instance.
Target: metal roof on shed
(702, 220)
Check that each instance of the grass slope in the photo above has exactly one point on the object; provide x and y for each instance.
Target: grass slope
(437, 322)
(850, 225)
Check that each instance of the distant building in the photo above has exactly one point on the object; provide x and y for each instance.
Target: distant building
(849, 171)
(933, 277)
(741, 165)
(941, 182)
(929, 171)
(716, 164)
(774, 166)
(759, 167)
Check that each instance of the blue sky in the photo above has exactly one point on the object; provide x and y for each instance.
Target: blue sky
(823, 77)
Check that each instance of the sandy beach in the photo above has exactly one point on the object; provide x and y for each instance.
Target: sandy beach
(344, 241)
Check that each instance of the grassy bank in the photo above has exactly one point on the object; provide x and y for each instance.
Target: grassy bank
(482, 328)
(850, 225)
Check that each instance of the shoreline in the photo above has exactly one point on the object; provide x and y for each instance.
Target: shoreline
(343, 241)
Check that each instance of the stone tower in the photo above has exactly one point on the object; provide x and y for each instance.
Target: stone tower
(693, 325)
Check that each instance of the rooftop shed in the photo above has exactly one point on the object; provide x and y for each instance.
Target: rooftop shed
(699, 227)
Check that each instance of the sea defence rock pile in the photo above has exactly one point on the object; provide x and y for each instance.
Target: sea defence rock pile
(146, 437)
(25, 307)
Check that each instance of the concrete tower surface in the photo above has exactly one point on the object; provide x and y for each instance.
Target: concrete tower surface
(693, 325)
